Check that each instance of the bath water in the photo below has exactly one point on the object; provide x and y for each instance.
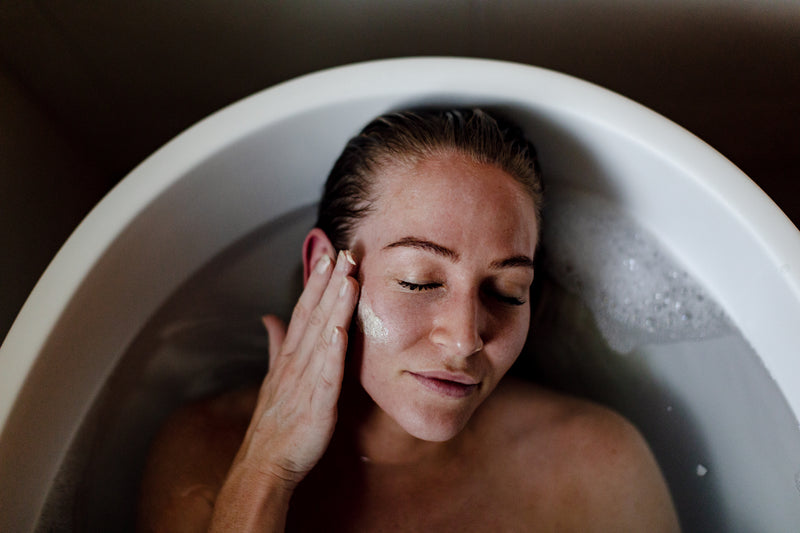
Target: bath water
(618, 321)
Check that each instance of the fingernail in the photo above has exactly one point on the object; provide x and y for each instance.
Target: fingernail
(322, 264)
(344, 287)
(349, 257)
(334, 336)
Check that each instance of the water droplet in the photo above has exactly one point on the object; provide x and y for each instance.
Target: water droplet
(701, 470)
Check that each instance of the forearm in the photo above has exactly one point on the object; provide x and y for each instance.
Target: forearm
(250, 501)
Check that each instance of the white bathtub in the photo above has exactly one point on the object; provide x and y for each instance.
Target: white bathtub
(268, 155)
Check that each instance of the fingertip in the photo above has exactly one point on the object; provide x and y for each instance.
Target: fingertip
(323, 264)
(269, 321)
(353, 263)
(275, 327)
(346, 262)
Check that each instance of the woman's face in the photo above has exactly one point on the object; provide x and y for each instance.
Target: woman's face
(446, 264)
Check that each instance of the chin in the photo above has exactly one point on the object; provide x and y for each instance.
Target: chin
(432, 428)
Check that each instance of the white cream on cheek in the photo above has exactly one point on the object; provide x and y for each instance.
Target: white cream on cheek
(369, 323)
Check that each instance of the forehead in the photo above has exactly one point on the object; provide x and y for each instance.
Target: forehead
(453, 199)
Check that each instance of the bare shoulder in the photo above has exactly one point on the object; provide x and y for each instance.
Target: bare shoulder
(587, 462)
(190, 458)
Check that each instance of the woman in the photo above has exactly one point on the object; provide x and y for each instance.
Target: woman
(426, 233)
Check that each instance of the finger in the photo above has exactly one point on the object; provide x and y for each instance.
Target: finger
(308, 301)
(328, 363)
(339, 318)
(276, 332)
(320, 316)
(325, 394)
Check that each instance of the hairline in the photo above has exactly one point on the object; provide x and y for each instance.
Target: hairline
(415, 156)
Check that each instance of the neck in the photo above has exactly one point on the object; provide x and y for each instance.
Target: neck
(378, 439)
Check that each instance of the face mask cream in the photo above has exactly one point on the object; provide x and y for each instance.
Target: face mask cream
(370, 323)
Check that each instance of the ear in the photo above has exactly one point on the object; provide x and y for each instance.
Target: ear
(315, 246)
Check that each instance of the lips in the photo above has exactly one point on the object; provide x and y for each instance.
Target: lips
(447, 383)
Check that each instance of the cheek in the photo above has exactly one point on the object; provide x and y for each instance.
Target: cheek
(386, 321)
(370, 324)
(510, 340)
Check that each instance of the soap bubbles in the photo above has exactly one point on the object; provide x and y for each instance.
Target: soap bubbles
(636, 291)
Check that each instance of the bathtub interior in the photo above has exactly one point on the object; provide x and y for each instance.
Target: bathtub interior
(178, 290)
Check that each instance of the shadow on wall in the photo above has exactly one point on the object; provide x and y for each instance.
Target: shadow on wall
(46, 188)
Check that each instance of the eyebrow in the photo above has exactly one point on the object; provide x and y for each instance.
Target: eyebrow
(452, 255)
(511, 262)
(428, 246)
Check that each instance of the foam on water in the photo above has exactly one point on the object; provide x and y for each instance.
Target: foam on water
(638, 294)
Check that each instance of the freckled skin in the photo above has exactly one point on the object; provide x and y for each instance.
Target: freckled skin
(438, 330)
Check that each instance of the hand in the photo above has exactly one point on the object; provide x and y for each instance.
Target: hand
(296, 412)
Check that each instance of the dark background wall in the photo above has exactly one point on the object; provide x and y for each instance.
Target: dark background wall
(89, 89)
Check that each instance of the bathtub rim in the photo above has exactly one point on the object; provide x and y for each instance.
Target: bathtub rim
(73, 266)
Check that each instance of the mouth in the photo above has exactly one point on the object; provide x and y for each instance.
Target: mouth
(447, 384)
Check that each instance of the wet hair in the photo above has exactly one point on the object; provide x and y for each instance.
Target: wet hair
(411, 136)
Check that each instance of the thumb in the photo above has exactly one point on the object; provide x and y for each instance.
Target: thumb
(276, 330)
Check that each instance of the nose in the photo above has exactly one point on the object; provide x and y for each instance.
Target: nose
(457, 328)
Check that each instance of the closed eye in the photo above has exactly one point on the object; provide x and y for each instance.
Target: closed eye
(418, 286)
(509, 300)
(503, 297)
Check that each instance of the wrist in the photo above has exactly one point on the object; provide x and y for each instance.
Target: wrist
(252, 500)
(244, 477)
